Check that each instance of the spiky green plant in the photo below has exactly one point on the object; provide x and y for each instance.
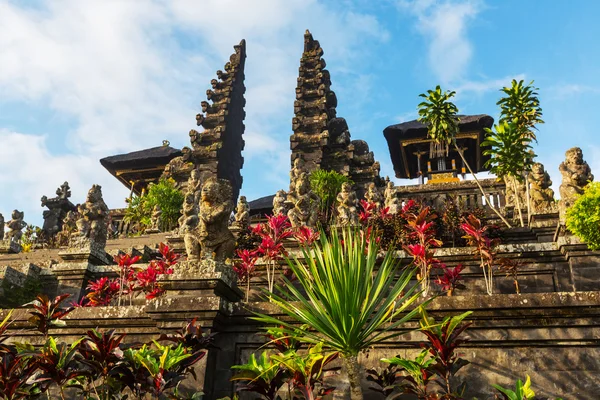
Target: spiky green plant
(349, 303)
(521, 103)
(327, 185)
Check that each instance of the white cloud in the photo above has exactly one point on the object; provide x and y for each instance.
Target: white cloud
(131, 75)
(563, 91)
(444, 24)
(481, 87)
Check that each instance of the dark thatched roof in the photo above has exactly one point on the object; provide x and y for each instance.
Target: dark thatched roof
(152, 156)
(140, 167)
(262, 206)
(406, 138)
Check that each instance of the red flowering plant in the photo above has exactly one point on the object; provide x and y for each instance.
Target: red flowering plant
(246, 267)
(369, 210)
(476, 236)
(422, 233)
(271, 249)
(306, 236)
(451, 280)
(131, 279)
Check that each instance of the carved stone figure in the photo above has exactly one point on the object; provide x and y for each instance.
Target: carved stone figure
(156, 218)
(279, 203)
(295, 173)
(391, 200)
(304, 211)
(188, 224)
(509, 192)
(1, 226)
(576, 174)
(194, 184)
(92, 226)
(242, 213)
(180, 166)
(216, 240)
(374, 196)
(542, 196)
(58, 207)
(15, 226)
(346, 208)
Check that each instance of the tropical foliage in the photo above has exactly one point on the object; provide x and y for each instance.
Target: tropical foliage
(583, 217)
(348, 303)
(164, 194)
(521, 106)
(326, 185)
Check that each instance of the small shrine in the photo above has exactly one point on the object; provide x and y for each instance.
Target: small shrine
(413, 158)
(136, 170)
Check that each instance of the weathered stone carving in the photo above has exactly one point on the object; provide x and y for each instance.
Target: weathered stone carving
(509, 194)
(242, 214)
(194, 184)
(279, 203)
(392, 202)
(305, 205)
(216, 240)
(93, 222)
(188, 224)
(217, 151)
(346, 209)
(295, 173)
(576, 174)
(156, 219)
(374, 196)
(542, 196)
(15, 226)
(58, 207)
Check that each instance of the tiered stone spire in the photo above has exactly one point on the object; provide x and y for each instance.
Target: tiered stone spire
(320, 138)
(217, 151)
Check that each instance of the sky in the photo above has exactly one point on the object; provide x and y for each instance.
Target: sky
(82, 80)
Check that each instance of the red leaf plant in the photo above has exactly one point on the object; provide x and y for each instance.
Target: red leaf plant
(48, 312)
(422, 231)
(273, 233)
(367, 213)
(246, 267)
(132, 280)
(306, 236)
(451, 280)
(476, 236)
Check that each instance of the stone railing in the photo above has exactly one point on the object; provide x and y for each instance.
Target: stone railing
(465, 193)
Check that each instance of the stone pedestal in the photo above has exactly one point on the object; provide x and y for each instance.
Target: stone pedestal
(89, 252)
(176, 243)
(544, 220)
(72, 278)
(9, 246)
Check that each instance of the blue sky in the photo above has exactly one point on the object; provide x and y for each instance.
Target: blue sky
(81, 80)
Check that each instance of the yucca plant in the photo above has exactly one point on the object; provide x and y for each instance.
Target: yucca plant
(440, 116)
(349, 304)
(509, 151)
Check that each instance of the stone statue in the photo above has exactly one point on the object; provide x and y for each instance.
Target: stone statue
(374, 196)
(576, 174)
(92, 226)
(188, 224)
(180, 166)
(391, 200)
(295, 173)
(194, 184)
(346, 208)
(279, 203)
(216, 240)
(305, 209)
(509, 192)
(156, 218)
(1, 226)
(58, 207)
(242, 213)
(542, 196)
(16, 225)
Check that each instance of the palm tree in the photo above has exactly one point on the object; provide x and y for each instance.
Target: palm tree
(521, 106)
(440, 115)
(510, 155)
(348, 303)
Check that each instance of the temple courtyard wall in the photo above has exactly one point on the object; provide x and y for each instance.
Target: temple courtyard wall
(550, 331)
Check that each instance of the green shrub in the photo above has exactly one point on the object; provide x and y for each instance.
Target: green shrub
(583, 218)
(327, 185)
(164, 194)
